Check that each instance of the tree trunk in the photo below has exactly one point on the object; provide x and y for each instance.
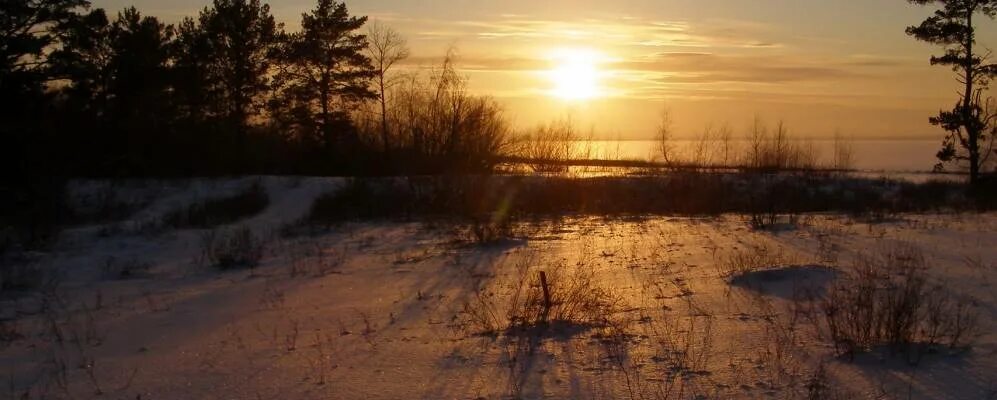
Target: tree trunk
(326, 125)
(967, 106)
(384, 114)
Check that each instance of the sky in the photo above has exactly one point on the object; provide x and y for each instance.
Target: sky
(821, 66)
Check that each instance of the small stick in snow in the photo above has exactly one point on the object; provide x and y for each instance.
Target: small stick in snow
(543, 284)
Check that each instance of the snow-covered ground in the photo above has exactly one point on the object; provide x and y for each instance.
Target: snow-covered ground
(391, 310)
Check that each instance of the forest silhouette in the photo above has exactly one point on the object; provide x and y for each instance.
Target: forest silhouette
(226, 92)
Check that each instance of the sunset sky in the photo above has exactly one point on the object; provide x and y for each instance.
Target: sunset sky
(820, 65)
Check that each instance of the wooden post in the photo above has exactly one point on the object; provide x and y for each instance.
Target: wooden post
(543, 284)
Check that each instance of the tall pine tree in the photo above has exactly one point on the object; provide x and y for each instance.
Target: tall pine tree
(324, 69)
(971, 123)
(239, 38)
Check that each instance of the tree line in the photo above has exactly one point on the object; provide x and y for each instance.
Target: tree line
(229, 91)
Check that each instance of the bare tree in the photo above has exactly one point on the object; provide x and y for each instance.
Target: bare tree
(844, 152)
(386, 49)
(665, 136)
(725, 135)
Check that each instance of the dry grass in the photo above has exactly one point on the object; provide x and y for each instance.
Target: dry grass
(750, 259)
(772, 199)
(574, 300)
(889, 299)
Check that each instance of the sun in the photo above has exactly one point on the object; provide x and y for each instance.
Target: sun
(575, 74)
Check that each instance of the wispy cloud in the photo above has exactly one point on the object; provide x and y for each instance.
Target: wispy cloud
(626, 31)
(655, 58)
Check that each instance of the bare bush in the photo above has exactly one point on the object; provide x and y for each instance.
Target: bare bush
(231, 249)
(844, 153)
(481, 313)
(220, 211)
(820, 386)
(665, 137)
(776, 150)
(889, 299)
(549, 146)
(435, 124)
(490, 228)
(571, 296)
(554, 296)
(105, 203)
(748, 260)
(684, 343)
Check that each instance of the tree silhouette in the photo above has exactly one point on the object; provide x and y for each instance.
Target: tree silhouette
(24, 37)
(140, 48)
(27, 35)
(239, 39)
(89, 93)
(386, 49)
(141, 107)
(116, 86)
(191, 55)
(31, 193)
(83, 60)
(324, 70)
(971, 123)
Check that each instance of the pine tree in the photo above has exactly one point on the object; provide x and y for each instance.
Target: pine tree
(239, 38)
(25, 34)
(972, 123)
(324, 69)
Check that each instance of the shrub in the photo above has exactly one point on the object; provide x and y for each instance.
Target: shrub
(777, 150)
(889, 299)
(436, 125)
(360, 199)
(549, 147)
(770, 199)
(221, 211)
(238, 248)
(575, 299)
(576, 302)
(102, 205)
(750, 260)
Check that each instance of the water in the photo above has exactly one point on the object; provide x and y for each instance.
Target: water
(908, 155)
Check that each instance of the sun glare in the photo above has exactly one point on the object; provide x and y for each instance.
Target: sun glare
(575, 74)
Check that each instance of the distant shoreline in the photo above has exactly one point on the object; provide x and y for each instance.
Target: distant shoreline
(795, 139)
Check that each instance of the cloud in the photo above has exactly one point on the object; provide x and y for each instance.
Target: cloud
(627, 31)
(653, 58)
(472, 63)
(708, 68)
